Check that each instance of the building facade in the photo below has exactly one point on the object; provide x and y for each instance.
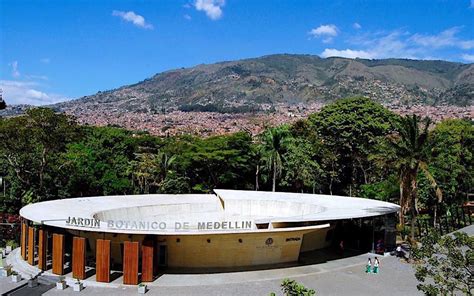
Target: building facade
(142, 236)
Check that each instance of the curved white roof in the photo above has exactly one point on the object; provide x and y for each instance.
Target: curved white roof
(227, 211)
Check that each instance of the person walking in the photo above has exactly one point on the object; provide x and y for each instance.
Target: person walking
(341, 247)
(368, 267)
(376, 265)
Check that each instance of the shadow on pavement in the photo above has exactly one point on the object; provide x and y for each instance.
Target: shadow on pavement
(35, 291)
(306, 258)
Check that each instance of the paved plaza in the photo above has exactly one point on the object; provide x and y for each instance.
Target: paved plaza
(339, 277)
(344, 276)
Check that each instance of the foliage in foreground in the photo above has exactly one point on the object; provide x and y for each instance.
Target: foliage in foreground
(446, 264)
(293, 288)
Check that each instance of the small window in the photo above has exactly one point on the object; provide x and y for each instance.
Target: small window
(178, 240)
(208, 241)
(240, 240)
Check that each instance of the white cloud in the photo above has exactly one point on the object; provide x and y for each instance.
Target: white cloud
(187, 16)
(45, 60)
(446, 38)
(37, 95)
(399, 44)
(27, 92)
(15, 71)
(346, 53)
(357, 26)
(324, 30)
(212, 8)
(133, 18)
(389, 45)
(327, 32)
(394, 44)
(468, 57)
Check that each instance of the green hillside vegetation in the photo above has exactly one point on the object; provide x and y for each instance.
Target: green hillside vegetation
(243, 85)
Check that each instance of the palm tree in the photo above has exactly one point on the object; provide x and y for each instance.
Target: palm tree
(273, 142)
(150, 170)
(164, 163)
(143, 171)
(411, 150)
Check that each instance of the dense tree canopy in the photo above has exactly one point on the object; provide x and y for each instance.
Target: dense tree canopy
(349, 130)
(31, 149)
(452, 158)
(45, 155)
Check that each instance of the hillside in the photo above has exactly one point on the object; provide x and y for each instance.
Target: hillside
(251, 94)
(258, 84)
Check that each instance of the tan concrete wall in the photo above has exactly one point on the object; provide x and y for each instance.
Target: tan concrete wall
(316, 240)
(223, 250)
(227, 251)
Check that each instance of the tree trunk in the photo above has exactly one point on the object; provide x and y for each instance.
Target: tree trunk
(330, 186)
(274, 177)
(256, 177)
(414, 211)
(413, 221)
(401, 213)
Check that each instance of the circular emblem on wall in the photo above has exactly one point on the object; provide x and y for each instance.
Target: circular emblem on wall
(269, 241)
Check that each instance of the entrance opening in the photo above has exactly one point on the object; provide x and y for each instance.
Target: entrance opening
(163, 256)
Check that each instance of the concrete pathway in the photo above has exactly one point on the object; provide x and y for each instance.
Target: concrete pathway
(337, 277)
(396, 278)
(7, 285)
(197, 279)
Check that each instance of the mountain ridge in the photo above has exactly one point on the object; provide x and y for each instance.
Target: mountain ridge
(257, 84)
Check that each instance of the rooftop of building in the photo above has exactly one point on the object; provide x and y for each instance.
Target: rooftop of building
(223, 212)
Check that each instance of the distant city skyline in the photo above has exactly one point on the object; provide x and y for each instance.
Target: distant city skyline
(52, 51)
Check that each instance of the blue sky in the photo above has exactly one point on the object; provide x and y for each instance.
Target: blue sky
(53, 50)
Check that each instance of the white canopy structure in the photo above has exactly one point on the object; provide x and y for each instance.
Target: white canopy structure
(223, 212)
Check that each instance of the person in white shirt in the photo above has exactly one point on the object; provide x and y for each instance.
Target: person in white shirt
(399, 251)
(376, 265)
(368, 267)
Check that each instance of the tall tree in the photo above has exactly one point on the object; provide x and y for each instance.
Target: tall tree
(100, 163)
(349, 130)
(30, 150)
(273, 147)
(301, 170)
(452, 162)
(215, 162)
(410, 153)
(150, 170)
